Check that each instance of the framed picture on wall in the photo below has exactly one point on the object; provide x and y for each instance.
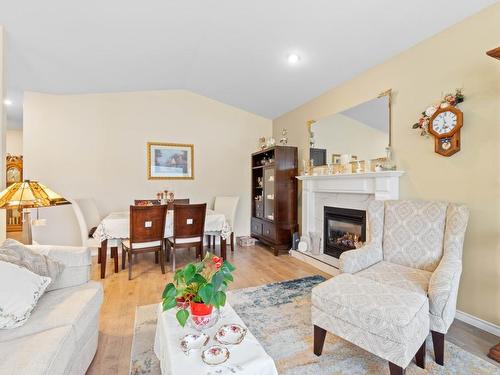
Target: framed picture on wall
(170, 161)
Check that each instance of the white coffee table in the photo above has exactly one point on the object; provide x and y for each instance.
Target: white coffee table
(247, 358)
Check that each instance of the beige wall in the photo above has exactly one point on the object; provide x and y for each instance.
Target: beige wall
(95, 145)
(451, 59)
(340, 134)
(14, 142)
(3, 125)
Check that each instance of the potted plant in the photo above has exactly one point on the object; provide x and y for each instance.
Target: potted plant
(203, 285)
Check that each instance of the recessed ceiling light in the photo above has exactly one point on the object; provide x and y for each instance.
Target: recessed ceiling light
(293, 58)
(7, 102)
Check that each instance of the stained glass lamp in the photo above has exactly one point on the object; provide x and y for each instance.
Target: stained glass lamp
(29, 194)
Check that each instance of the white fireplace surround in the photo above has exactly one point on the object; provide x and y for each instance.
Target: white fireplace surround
(344, 191)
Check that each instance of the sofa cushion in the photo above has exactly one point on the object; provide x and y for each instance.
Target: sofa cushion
(411, 279)
(76, 259)
(413, 233)
(47, 352)
(382, 310)
(15, 252)
(74, 307)
(20, 290)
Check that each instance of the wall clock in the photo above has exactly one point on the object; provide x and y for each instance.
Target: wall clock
(445, 126)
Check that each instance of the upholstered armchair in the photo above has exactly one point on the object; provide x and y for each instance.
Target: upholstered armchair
(415, 245)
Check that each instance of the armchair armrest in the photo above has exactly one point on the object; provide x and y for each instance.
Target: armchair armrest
(77, 264)
(353, 261)
(443, 291)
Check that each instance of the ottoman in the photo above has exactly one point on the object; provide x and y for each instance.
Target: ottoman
(387, 321)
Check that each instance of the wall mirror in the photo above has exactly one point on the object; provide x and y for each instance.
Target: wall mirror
(363, 132)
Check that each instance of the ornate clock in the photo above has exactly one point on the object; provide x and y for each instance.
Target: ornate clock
(445, 126)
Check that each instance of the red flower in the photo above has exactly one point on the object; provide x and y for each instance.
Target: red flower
(217, 261)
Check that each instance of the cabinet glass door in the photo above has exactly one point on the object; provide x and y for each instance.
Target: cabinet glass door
(269, 175)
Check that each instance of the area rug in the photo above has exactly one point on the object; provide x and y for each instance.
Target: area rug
(279, 316)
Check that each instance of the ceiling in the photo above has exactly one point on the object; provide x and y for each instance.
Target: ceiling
(233, 51)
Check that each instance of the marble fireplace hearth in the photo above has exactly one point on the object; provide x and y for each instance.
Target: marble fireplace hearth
(351, 191)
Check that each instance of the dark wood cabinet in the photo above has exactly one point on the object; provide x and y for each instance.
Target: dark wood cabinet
(274, 196)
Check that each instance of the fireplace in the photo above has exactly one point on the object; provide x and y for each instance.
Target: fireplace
(344, 229)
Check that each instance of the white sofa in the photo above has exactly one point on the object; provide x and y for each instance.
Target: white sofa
(61, 335)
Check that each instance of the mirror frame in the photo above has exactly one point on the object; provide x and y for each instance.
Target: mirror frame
(387, 93)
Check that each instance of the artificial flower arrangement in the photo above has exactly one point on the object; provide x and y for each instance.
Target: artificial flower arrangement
(199, 287)
(446, 101)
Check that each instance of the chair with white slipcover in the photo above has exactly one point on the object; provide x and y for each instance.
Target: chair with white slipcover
(228, 207)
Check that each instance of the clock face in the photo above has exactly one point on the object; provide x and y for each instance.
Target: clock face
(444, 122)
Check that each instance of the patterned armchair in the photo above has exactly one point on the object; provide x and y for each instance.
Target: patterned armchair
(417, 246)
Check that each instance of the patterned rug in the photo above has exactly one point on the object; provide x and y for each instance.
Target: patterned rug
(279, 316)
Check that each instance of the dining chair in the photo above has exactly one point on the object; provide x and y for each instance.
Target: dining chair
(189, 226)
(156, 202)
(88, 218)
(226, 206)
(147, 230)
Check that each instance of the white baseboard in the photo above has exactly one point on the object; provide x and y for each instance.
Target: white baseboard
(478, 323)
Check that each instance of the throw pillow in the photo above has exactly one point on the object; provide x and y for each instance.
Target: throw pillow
(15, 252)
(20, 290)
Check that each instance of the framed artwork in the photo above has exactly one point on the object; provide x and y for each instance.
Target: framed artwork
(170, 161)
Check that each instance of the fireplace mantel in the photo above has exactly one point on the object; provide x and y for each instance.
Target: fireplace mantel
(352, 191)
(384, 185)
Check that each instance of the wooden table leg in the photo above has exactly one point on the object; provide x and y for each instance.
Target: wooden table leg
(223, 254)
(104, 251)
(114, 254)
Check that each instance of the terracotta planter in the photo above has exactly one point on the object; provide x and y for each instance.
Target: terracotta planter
(200, 309)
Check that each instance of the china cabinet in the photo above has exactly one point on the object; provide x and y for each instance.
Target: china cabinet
(274, 196)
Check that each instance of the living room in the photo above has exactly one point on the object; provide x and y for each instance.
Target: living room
(324, 177)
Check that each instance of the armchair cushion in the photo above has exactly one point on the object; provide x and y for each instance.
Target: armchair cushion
(393, 274)
(414, 232)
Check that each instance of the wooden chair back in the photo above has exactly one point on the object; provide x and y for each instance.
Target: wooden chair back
(147, 223)
(177, 201)
(189, 220)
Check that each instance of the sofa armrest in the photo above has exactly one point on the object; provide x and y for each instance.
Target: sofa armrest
(353, 261)
(443, 290)
(77, 264)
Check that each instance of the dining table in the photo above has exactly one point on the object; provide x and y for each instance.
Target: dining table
(116, 227)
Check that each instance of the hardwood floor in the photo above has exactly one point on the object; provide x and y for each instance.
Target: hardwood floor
(255, 266)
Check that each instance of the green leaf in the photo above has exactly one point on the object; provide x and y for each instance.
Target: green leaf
(415, 126)
(206, 293)
(169, 291)
(228, 277)
(189, 272)
(199, 279)
(169, 303)
(217, 280)
(182, 316)
(220, 299)
(230, 267)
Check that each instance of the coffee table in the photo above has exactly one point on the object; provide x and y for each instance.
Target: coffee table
(247, 358)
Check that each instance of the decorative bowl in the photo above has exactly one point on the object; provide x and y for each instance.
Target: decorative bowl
(202, 322)
(230, 334)
(194, 341)
(215, 355)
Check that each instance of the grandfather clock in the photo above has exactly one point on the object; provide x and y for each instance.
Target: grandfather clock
(13, 174)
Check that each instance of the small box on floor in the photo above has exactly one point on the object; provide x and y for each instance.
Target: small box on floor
(246, 241)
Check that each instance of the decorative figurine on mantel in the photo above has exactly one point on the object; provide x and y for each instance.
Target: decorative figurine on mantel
(284, 137)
